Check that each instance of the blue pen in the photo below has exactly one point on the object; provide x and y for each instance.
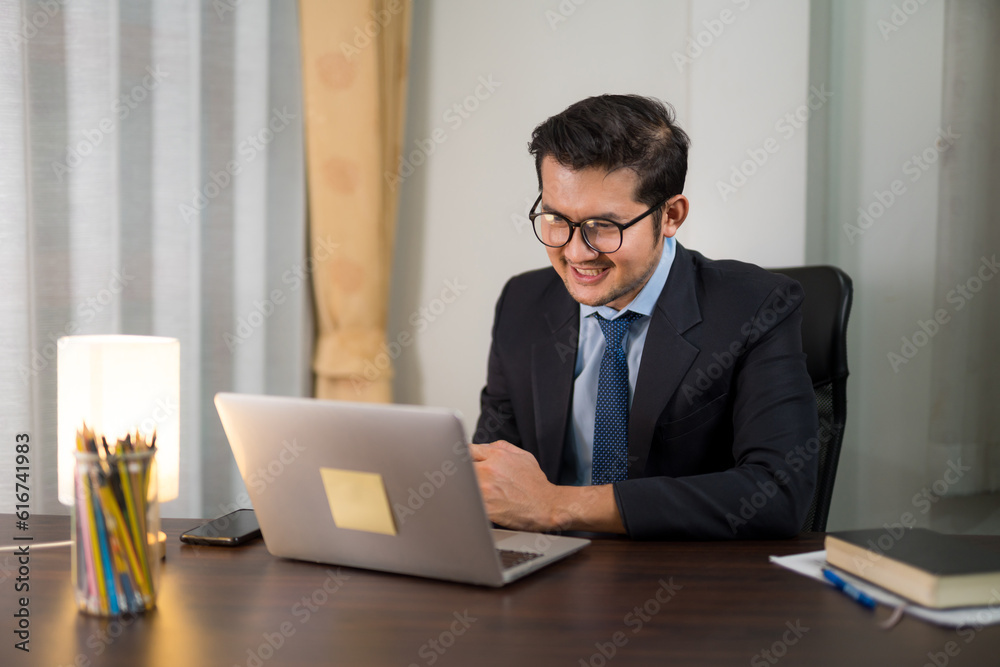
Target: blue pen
(849, 590)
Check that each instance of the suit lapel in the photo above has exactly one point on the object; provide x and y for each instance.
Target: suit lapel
(666, 357)
(553, 358)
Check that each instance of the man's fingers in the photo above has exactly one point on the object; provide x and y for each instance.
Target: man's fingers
(480, 452)
(504, 445)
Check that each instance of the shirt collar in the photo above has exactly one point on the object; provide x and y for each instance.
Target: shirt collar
(645, 300)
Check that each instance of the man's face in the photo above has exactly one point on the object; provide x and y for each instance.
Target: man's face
(593, 278)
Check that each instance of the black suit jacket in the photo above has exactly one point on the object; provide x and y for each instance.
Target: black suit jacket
(723, 419)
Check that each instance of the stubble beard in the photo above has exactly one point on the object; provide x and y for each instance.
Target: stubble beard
(616, 294)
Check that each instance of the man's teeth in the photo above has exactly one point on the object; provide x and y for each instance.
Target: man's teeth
(589, 272)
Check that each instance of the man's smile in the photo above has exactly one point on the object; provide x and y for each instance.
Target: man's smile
(588, 275)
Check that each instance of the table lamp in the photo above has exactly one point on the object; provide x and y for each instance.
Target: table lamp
(118, 385)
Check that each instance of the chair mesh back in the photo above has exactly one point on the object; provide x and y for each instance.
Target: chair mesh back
(827, 444)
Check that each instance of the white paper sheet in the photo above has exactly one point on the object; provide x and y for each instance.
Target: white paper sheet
(811, 564)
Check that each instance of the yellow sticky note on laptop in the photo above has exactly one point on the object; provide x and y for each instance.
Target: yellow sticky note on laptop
(358, 500)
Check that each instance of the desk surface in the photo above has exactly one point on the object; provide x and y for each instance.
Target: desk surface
(219, 606)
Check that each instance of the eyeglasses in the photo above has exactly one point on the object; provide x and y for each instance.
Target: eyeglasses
(603, 236)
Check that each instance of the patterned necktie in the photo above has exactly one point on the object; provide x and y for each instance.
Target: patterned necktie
(611, 417)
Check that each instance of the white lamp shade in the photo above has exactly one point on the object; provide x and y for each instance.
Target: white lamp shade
(119, 385)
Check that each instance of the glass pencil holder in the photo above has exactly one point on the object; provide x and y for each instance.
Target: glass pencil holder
(115, 525)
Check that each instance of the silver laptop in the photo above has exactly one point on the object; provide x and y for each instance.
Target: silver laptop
(382, 487)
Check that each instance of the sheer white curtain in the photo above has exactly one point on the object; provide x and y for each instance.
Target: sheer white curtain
(151, 182)
(965, 380)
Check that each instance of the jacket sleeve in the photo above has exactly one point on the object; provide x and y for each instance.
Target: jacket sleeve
(768, 492)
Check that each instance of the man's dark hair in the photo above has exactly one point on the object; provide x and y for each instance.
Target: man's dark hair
(618, 132)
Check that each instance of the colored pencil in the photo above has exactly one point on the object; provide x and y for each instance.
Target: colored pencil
(114, 570)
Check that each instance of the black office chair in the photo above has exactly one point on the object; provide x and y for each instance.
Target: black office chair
(827, 305)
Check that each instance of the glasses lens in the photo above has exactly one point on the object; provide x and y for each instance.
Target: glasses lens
(551, 230)
(602, 236)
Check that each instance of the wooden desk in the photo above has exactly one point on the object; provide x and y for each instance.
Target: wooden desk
(218, 606)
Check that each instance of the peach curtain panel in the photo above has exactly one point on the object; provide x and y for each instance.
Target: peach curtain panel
(354, 61)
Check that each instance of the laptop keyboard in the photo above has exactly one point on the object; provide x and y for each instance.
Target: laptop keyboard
(509, 559)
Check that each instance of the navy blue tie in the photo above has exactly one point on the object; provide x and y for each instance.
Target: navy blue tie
(611, 416)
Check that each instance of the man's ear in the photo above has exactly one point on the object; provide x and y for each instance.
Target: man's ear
(674, 214)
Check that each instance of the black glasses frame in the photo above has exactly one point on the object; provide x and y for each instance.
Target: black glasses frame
(573, 225)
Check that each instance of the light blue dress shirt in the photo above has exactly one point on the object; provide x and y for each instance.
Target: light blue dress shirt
(577, 464)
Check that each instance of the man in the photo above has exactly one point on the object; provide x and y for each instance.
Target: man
(635, 386)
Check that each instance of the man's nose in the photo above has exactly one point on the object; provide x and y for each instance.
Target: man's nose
(577, 251)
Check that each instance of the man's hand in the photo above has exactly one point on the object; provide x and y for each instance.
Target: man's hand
(514, 488)
(519, 496)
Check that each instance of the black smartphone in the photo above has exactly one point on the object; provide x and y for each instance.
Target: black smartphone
(229, 530)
